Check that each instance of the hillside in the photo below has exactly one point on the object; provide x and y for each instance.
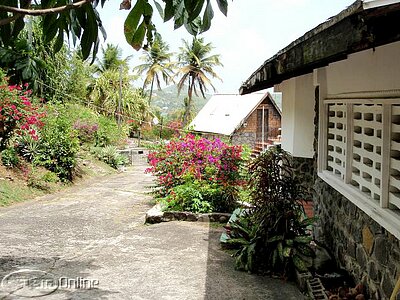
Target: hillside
(168, 101)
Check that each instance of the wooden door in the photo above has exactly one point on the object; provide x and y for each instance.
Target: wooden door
(262, 124)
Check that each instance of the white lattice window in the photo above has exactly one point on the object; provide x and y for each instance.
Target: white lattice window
(360, 154)
(337, 139)
(394, 188)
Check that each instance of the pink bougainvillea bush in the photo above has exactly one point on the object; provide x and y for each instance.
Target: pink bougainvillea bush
(17, 113)
(197, 174)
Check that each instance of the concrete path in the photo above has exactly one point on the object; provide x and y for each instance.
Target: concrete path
(89, 242)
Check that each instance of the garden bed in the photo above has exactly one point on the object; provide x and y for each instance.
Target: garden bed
(156, 215)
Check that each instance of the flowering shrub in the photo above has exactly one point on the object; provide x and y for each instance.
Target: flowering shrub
(86, 131)
(173, 128)
(209, 166)
(17, 113)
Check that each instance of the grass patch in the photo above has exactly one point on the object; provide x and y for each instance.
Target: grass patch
(13, 192)
(15, 187)
(216, 225)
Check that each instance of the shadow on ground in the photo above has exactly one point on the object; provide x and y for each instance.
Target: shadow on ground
(223, 282)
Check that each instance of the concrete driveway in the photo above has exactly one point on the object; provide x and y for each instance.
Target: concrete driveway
(89, 242)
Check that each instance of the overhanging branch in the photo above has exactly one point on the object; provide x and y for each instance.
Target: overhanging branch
(40, 12)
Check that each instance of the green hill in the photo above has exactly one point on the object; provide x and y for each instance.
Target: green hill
(168, 101)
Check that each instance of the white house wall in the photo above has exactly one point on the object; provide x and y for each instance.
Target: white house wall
(365, 84)
(297, 117)
(370, 70)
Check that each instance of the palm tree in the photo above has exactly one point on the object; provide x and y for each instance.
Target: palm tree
(157, 63)
(196, 64)
(111, 59)
(105, 97)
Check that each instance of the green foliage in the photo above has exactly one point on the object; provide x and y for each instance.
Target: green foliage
(111, 59)
(156, 65)
(273, 235)
(18, 59)
(110, 155)
(58, 145)
(82, 21)
(108, 132)
(80, 78)
(94, 129)
(42, 179)
(244, 236)
(9, 158)
(187, 197)
(105, 96)
(200, 197)
(27, 147)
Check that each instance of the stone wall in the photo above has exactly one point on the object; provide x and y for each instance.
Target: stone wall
(241, 138)
(361, 246)
(304, 171)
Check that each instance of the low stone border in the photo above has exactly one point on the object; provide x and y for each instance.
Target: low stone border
(156, 215)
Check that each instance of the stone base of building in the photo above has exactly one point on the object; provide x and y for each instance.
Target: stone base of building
(361, 246)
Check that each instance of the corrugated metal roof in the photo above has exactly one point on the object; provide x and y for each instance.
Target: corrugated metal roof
(224, 113)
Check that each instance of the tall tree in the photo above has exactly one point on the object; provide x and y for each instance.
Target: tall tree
(28, 59)
(196, 66)
(157, 63)
(111, 59)
(80, 77)
(105, 97)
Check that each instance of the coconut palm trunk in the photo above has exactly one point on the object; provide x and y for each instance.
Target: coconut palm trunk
(157, 65)
(195, 65)
(188, 104)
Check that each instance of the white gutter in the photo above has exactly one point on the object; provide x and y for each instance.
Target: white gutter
(368, 4)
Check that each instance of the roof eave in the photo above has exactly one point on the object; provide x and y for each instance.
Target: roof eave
(353, 30)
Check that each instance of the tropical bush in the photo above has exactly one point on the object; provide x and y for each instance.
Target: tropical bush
(58, 145)
(17, 112)
(187, 197)
(197, 174)
(86, 131)
(110, 155)
(273, 234)
(9, 158)
(27, 147)
(42, 179)
(108, 132)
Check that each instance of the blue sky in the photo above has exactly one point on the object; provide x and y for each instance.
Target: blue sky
(253, 31)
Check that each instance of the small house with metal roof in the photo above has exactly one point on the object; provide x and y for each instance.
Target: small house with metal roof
(250, 119)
